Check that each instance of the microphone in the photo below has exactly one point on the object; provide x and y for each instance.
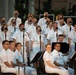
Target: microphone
(40, 30)
(23, 29)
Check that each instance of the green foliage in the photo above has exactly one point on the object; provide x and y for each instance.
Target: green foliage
(47, 6)
(20, 6)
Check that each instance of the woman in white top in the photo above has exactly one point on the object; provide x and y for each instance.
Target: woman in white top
(50, 67)
(19, 60)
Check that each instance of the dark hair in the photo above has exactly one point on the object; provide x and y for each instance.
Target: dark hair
(61, 35)
(47, 45)
(55, 23)
(56, 44)
(2, 28)
(38, 27)
(17, 44)
(21, 24)
(11, 42)
(4, 41)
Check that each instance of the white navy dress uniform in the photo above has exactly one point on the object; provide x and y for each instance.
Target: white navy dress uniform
(60, 27)
(53, 35)
(48, 57)
(11, 56)
(4, 37)
(42, 23)
(3, 58)
(27, 25)
(12, 30)
(28, 70)
(66, 30)
(59, 58)
(18, 36)
(72, 36)
(36, 44)
(46, 30)
(18, 21)
(31, 30)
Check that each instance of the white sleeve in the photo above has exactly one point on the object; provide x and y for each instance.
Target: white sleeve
(32, 37)
(48, 36)
(54, 55)
(46, 57)
(26, 37)
(60, 32)
(70, 36)
(39, 22)
(3, 57)
(42, 38)
(20, 21)
(14, 36)
(9, 21)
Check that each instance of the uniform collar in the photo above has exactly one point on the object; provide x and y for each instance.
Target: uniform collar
(55, 51)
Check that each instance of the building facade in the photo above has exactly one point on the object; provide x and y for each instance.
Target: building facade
(7, 6)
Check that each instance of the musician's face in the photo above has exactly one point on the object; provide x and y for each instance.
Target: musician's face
(57, 47)
(38, 29)
(18, 47)
(6, 45)
(49, 48)
(55, 25)
(12, 45)
(61, 38)
(21, 27)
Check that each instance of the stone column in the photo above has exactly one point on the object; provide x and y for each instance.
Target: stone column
(31, 6)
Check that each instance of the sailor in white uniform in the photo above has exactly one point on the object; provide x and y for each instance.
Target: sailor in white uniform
(50, 67)
(18, 20)
(59, 58)
(18, 37)
(36, 46)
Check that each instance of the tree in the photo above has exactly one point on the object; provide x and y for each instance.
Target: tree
(47, 6)
(20, 5)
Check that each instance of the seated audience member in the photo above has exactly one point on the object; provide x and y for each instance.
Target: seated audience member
(59, 58)
(11, 56)
(19, 60)
(6, 66)
(50, 67)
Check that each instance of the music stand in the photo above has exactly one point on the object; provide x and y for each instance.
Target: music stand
(37, 57)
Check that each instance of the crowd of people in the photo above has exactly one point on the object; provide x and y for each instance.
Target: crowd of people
(19, 41)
